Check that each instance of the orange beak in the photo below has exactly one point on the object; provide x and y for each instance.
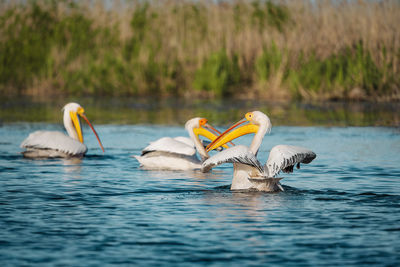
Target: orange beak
(232, 133)
(94, 131)
(215, 131)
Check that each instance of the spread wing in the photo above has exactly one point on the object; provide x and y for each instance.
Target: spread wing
(170, 145)
(284, 157)
(54, 140)
(236, 154)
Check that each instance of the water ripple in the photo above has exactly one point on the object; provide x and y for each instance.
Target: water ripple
(341, 209)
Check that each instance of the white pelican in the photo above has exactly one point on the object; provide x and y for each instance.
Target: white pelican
(179, 153)
(249, 173)
(53, 144)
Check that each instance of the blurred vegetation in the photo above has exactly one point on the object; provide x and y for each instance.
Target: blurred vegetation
(252, 49)
(218, 74)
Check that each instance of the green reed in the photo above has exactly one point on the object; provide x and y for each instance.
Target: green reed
(263, 49)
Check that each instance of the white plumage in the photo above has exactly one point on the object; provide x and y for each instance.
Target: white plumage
(281, 158)
(51, 144)
(178, 153)
(237, 154)
(185, 140)
(249, 173)
(285, 157)
(178, 145)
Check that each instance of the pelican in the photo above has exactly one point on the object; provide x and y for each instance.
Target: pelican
(53, 144)
(249, 173)
(179, 153)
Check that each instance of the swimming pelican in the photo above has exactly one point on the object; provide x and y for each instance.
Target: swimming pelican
(248, 172)
(179, 153)
(53, 144)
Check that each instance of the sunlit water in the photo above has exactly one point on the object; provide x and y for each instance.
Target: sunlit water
(342, 209)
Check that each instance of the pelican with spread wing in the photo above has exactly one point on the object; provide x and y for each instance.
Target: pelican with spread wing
(54, 144)
(248, 172)
(179, 153)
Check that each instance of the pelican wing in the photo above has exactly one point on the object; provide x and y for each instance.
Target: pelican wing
(185, 140)
(170, 145)
(284, 157)
(236, 154)
(54, 140)
(190, 142)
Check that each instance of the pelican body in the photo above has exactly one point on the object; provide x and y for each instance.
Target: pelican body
(249, 173)
(54, 144)
(179, 153)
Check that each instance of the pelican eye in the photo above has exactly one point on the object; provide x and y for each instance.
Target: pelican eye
(249, 116)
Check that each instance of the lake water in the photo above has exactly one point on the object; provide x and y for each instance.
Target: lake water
(172, 111)
(343, 209)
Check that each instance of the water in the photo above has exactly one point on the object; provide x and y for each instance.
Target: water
(173, 111)
(342, 209)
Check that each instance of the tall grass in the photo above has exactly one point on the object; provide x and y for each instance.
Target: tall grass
(265, 49)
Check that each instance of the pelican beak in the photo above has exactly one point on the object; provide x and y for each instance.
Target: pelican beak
(207, 131)
(81, 113)
(77, 124)
(232, 133)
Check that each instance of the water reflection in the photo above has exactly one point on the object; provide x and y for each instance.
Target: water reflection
(194, 179)
(177, 111)
(72, 165)
(242, 205)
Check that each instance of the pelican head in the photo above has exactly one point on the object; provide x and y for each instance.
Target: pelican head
(257, 122)
(200, 126)
(72, 114)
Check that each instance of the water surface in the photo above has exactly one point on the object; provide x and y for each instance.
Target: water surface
(172, 111)
(342, 209)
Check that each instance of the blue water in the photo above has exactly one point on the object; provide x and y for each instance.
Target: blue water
(342, 209)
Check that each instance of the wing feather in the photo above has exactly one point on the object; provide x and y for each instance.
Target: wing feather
(54, 140)
(237, 154)
(185, 140)
(284, 157)
(170, 145)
